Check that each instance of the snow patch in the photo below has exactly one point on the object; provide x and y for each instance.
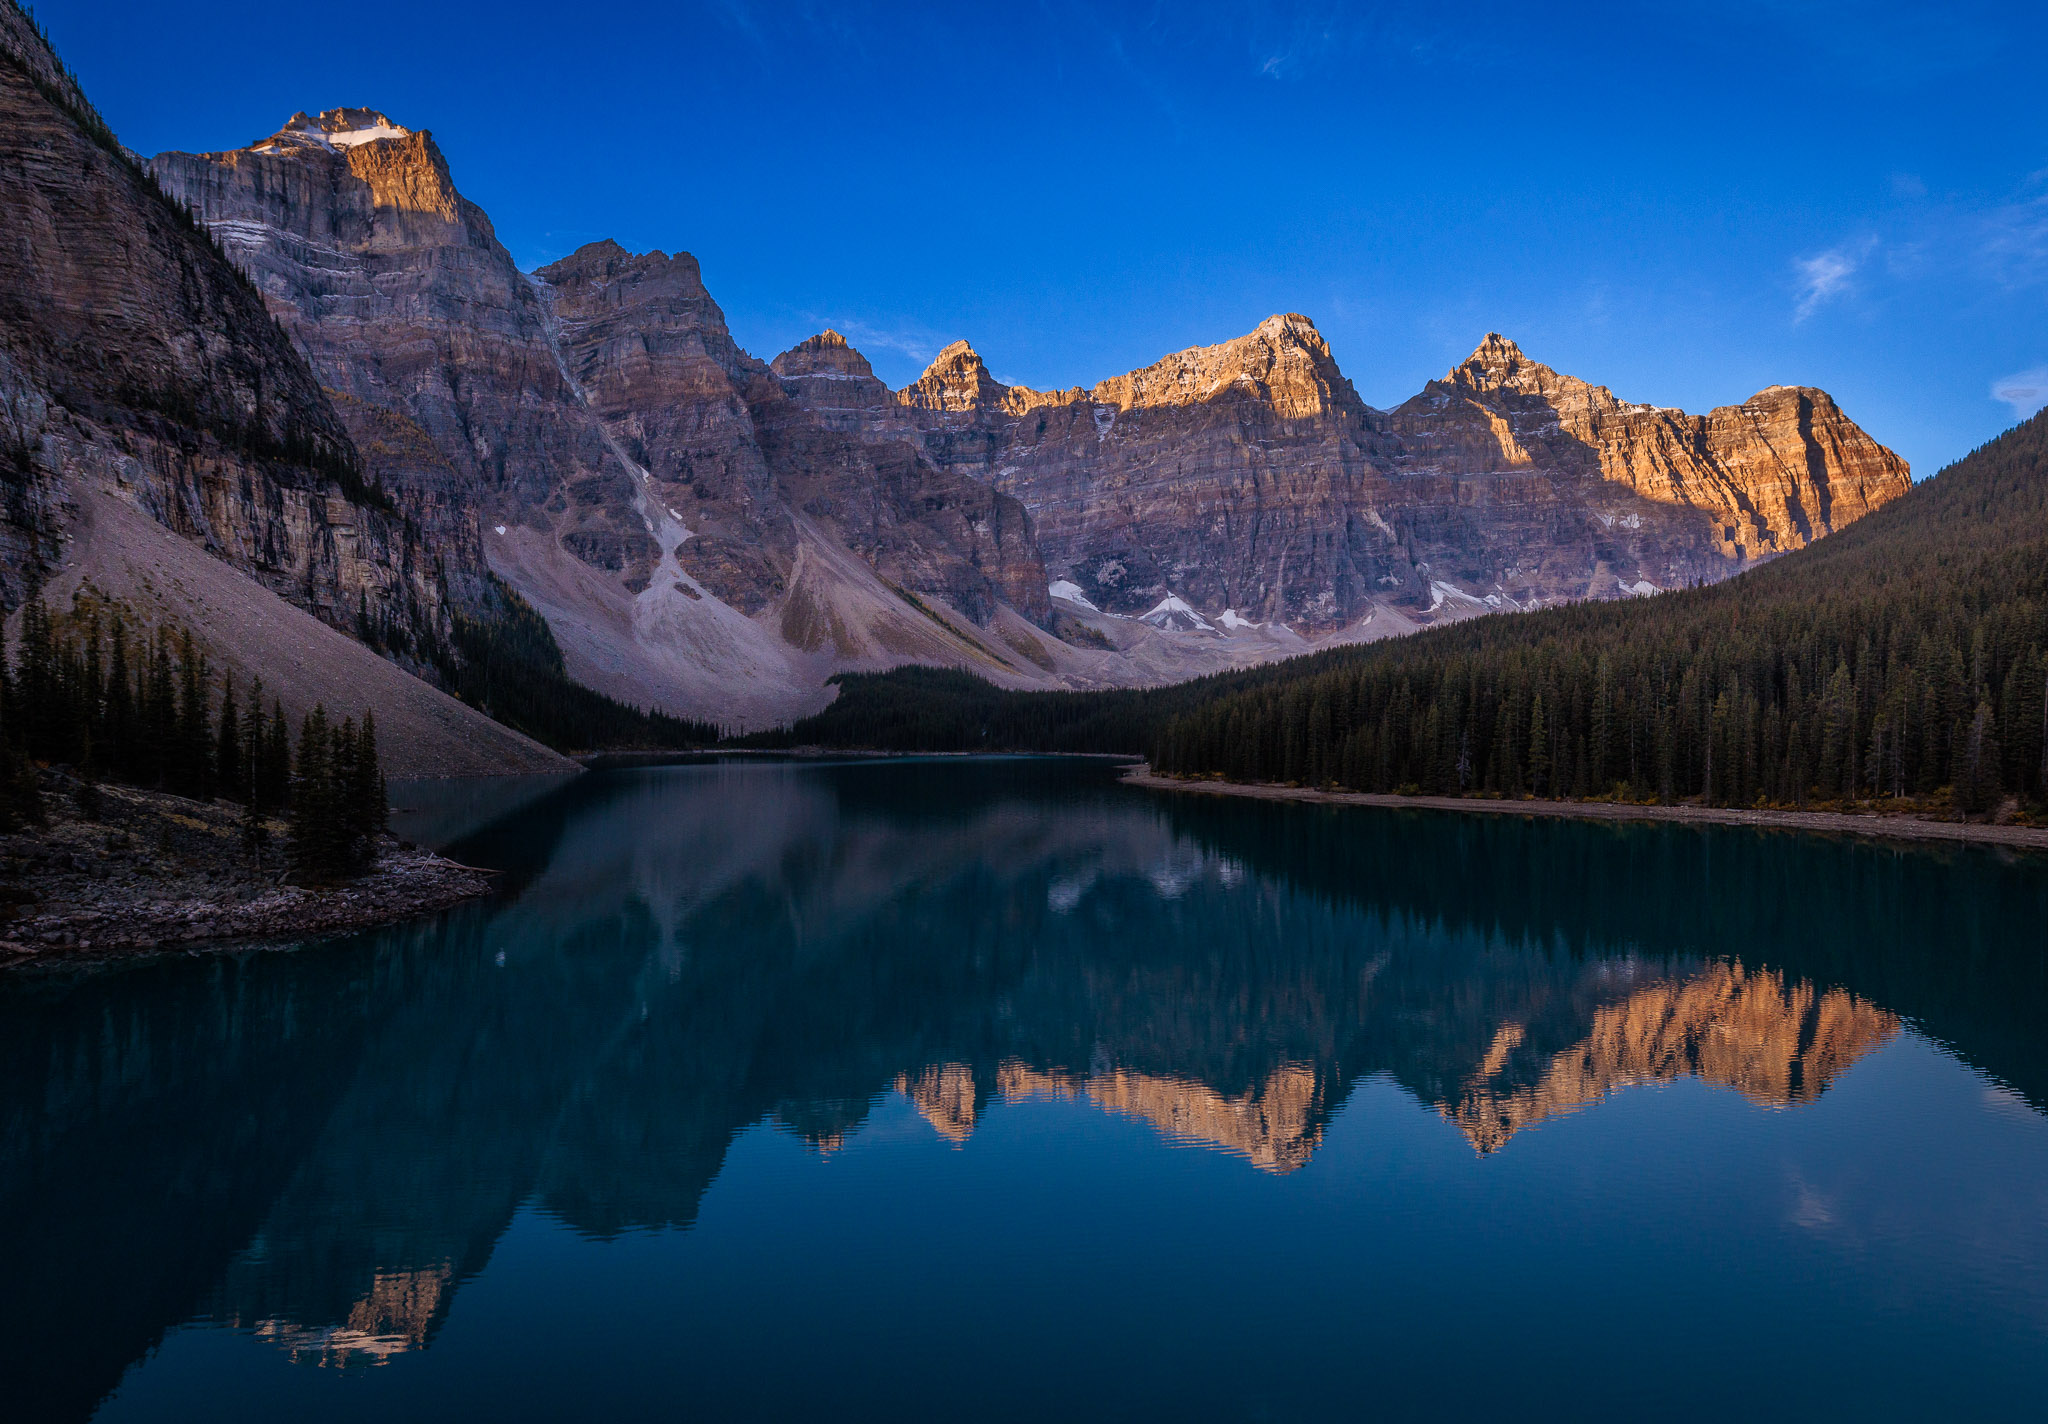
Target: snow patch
(1233, 620)
(349, 138)
(500, 528)
(1439, 593)
(1173, 611)
(1071, 592)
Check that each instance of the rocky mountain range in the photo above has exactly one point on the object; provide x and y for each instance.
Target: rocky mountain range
(415, 430)
(1248, 481)
(164, 445)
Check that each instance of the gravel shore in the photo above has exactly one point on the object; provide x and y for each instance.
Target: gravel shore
(134, 871)
(1919, 828)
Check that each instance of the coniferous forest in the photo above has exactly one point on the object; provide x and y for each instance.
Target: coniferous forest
(1903, 660)
(145, 710)
(511, 667)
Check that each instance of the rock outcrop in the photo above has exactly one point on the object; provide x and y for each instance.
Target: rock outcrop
(700, 527)
(1739, 483)
(698, 538)
(403, 299)
(135, 360)
(1250, 481)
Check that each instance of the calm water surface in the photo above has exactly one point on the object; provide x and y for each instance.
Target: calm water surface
(994, 1090)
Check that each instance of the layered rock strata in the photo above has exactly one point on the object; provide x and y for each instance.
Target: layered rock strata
(691, 531)
(1248, 480)
(136, 360)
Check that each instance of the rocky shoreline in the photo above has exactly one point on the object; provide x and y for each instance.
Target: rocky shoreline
(1901, 827)
(118, 871)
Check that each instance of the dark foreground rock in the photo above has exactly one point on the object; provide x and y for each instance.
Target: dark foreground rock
(125, 871)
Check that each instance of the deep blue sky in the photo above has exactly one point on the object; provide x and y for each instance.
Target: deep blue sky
(1685, 202)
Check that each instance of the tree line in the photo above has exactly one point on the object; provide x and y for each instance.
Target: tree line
(143, 708)
(1903, 660)
(508, 665)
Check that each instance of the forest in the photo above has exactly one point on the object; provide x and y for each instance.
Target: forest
(1904, 659)
(509, 665)
(142, 711)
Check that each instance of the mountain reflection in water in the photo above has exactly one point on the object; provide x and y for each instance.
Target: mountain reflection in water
(321, 1147)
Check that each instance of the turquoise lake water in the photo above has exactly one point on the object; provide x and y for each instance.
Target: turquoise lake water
(993, 1089)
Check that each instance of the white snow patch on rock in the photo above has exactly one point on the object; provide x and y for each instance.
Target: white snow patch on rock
(1173, 611)
(1071, 592)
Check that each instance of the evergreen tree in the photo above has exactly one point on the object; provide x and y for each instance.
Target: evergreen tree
(227, 755)
(275, 768)
(315, 835)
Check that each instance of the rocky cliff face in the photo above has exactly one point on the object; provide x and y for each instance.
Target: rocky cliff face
(698, 525)
(403, 299)
(136, 362)
(1249, 482)
(684, 523)
(1713, 492)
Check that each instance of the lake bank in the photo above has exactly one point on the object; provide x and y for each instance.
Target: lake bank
(1824, 822)
(145, 871)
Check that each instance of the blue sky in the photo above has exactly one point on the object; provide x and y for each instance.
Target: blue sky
(1684, 202)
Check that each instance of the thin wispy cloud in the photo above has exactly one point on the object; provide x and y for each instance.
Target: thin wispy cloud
(2025, 391)
(1827, 275)
(917, 343)
(2013, 239)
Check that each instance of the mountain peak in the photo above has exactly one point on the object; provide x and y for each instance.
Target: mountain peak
(826, 355)
(1289, 326)
(1497, 363)
(957, 380)
(336, 129)
(1284, 360)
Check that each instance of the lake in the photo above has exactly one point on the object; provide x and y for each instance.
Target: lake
(991, 1089)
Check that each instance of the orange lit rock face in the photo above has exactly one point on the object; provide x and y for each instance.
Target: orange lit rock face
(1772, 474)
(1250, 476)
(135, 361)
(1276, 1126)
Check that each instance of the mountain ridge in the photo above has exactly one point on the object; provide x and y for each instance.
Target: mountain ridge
(701, 526)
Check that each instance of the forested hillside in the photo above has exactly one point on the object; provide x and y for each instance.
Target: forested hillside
(1899, 659)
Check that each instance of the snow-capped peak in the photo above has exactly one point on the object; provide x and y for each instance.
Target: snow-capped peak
(335, 129)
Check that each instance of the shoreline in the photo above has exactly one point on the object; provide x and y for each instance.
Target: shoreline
(1911, 828)
(129, 873)
(403, 885)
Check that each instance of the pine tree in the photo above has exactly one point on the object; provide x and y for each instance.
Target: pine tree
(373, 807)
(313, 828)
(118, 741)
(227, 758)
(275, 769)
(1977, 764)
(192, 764)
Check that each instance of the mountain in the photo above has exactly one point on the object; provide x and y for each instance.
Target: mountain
(1898, 665)
(167, 448)
(1901, 662)
(1249, 481)
(719, 536)
(693, 537)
